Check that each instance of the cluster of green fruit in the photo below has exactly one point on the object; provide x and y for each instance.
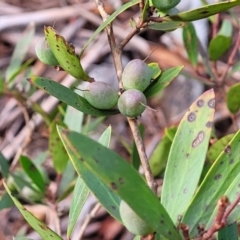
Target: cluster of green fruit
(136, 78)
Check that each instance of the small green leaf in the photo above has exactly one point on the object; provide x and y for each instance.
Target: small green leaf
(108, 21)
(43, 230)
(215, 150)
(162, 81)
(65, 54)
(4, 166)
(69, 97)
(203, 12)
(159, 157)
(156, 71)
(120, 178)
(73, 119)
(223, 178)
(187, 156)
(107, 198)
(228, 233)
(56, 148)
(20, 52)
(222, 42)
(233, 98)
(80, 195)
(191, 43)
(5, 201)
(33, 173)
(166, 26)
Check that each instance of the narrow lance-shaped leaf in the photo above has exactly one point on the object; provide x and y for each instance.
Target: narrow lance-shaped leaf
(65, 54)
(106, 197)
(218, 182)
(191, 42)
(69, 97)
(203, 12)
(162, 81)
(187, 156)
(81, 191)
(33, 173)
(20, 52)
(43, 230)
(221, 42)
(120, 178)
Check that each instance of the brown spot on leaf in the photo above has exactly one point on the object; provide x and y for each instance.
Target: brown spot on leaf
(231, 161)
(162, 222)
(211, 103)
(200, 103)
(191, 117)
(121, 181)
(227, 149)
(199, 139)
(185, 190)
(209, 124)
(114, 185)
(218, 176)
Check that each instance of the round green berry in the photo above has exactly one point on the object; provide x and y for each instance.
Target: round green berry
(101, 95)
(45, 54)
(136, 75)
(132, 221)
(132, 103)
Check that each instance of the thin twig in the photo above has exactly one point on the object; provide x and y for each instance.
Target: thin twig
(88, 219)
(142, 153)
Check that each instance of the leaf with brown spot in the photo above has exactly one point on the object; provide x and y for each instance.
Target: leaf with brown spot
(222, 179)
(187, 156)
(65, 54)
(43, 230)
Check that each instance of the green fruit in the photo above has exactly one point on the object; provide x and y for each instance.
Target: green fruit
(132, 221)
(136, 75)
(132, 103)
(101, 95)
(45, 54)
(163, 5)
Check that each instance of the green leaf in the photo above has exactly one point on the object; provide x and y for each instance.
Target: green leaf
(69, 97)
(223, 178)
(5, 201)
(215, 150)
(228, 233)
(65, 54)
(107, 198)
(32, 172)
(222, 42)
(156, 71)
(187, 156)
(233, 98)
(73, 119)
(20, 52)
(80, 195)
(119, 178)
(43, 230)
(4, 166)
(162, 81)
(56, 148)
(191, 43)
(166, 26)
(108, 21)
(203, 12)
(159, 157)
